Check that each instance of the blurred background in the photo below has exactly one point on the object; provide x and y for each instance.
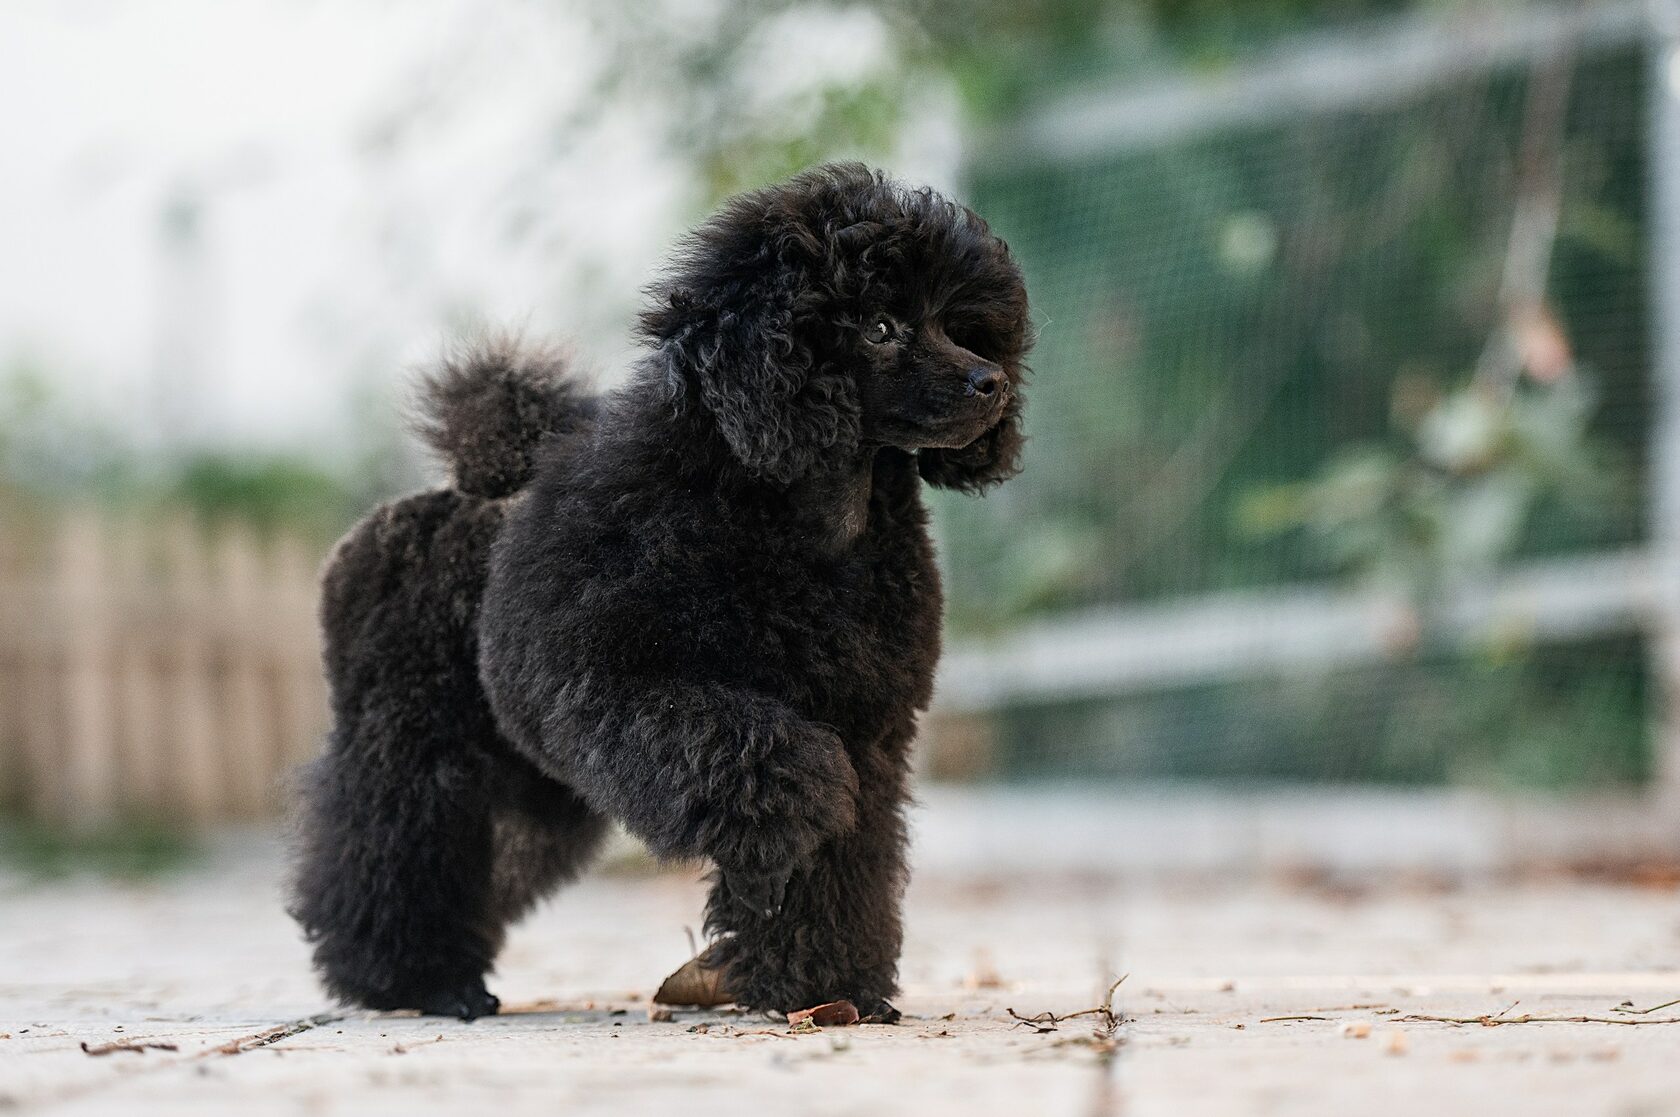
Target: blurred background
(1350, 533)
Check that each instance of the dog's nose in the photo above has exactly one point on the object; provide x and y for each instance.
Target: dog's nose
(985, 382)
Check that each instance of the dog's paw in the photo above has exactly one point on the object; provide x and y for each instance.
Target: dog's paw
(760, 893)
(466, 1002)
(879, 1012)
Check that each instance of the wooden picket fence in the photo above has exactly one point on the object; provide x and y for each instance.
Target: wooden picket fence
(163, 670)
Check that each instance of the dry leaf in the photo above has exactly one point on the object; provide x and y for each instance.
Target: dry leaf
(695, 983)
(835, 1014)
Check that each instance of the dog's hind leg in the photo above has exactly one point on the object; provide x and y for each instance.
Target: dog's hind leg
(395, 868)
(543, 836)
(394, 881)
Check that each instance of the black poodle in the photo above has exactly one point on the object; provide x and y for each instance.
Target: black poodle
(705, 605)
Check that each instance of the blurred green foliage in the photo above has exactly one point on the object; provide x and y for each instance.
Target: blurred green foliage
(998, 56)
(1565, 717)
(1227, 314)
(1455, 498)
(270, 491)
(52, 453)
(1008, 56)
(132, 849)
(1254, 369)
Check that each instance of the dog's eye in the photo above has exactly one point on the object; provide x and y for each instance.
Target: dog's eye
(881, 332)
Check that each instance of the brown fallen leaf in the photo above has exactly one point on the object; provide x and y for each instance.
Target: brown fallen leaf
(139, 1047)
(658, 1014)
(694, 983)
(834, 1014)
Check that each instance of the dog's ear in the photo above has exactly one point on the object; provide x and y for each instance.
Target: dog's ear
(734, 321)
(774, 406)
(993, 457)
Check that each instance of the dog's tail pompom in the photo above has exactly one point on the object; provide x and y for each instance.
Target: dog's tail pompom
(488, 408)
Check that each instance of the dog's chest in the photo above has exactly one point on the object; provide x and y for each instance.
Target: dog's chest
(860, 633)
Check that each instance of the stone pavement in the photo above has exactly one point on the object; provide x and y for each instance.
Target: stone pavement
(204, 962)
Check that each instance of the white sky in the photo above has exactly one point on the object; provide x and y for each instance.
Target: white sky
(323, 267)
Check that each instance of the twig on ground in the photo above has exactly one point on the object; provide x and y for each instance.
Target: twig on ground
(1627, 1007)
(405, 1048)
(1048, 1021)
(272, 1035)
(1501, 1021)
(139, 1047)
(1277, 1019)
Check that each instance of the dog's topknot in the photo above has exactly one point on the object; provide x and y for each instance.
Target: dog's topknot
(488, 407)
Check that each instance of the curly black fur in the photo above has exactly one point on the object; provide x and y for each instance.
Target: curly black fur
(712, 613)
(488, 407)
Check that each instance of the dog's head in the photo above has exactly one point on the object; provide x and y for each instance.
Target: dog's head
(839, 311)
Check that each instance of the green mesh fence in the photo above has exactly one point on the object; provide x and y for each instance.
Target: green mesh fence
(1264, 360)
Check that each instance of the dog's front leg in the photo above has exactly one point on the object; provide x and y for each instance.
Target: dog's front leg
(707, 770)
(838, 932)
